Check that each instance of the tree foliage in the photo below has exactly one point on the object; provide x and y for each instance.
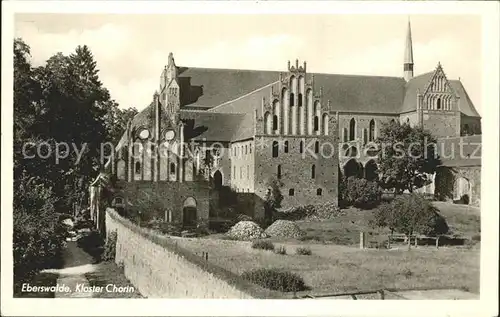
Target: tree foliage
(273, 198)
(407, 155)
(410, 214)
(362, 193)
(60, 105)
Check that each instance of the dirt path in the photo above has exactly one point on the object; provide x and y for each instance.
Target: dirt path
(80, 278)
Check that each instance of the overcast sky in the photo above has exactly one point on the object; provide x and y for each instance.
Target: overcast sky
(131, 50)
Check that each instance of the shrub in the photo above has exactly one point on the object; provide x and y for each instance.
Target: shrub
(92, 243)
(110, 247)
(303, 251)
(280, 250)
(263, 245)
(276, 280)
(362, 193)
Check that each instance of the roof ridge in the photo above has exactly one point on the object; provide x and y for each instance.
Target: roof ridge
(243, 96)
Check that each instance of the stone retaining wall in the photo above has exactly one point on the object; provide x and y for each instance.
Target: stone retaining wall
(161, 269)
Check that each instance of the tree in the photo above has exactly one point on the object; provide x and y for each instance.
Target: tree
(410, 214)
(362, 193)
(273, 198)
(407, 155)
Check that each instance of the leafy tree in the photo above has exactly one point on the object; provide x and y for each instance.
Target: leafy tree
(407, 155)
(410, 214)
(362, 193)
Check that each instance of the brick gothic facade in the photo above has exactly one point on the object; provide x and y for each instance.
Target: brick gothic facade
(268, 123)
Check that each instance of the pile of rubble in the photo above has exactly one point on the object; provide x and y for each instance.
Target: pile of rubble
(246, 230)
(284, 229)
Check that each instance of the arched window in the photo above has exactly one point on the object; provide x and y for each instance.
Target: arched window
(313, 172)
(325, 124)
(250, 148)
(267, 123)
(137, 167)
(301, 147)
(172, 168)
(316, 147)
(286, 146)
(292, 99)
(365, 136)
(319, 191)
(352, 129)
(291, 192)
(246, 149)
(438, 103)
(300, 100)
(372, 130)
(275, 148)
(279, 172)
(316, 123)
(346, 135)
(275, 122)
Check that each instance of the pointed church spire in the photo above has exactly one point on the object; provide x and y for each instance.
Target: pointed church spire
(408, 58)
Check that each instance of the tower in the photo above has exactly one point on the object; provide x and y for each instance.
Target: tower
(408, 58)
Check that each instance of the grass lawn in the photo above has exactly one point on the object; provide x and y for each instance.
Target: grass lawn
(334, 268)
(463, 221)
(336, 265)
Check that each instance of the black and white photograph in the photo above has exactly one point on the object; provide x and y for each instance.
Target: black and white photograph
(260, 155)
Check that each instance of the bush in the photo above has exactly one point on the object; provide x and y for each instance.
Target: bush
(263, 245)
(276, 280)
(280, 250)
(92, 243)
(110, 247)
(362, 193)
(303, 251)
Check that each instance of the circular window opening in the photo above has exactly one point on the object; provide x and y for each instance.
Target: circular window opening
(169, 135)
(144, 134)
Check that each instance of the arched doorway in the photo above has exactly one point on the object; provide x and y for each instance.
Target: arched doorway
(353, 168)
(189, 216)
(462, 190)
(371, 173)
(217, 179)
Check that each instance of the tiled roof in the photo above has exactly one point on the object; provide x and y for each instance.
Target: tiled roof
(207, 87)
(212, 87)
(213, 126)
(466, 105)
(361, 93)
(450, 155)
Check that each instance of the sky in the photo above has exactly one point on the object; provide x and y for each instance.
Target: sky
(131, 50)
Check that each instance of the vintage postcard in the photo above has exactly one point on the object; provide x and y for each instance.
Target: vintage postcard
(293, 156)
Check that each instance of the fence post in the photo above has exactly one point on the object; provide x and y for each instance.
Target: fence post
(381, 293)
(437, 242)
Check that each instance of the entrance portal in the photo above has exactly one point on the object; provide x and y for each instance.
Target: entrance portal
(189, 216)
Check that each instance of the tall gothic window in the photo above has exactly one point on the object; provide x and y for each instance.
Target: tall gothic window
(365, 136)
(438, 104)
(352, 129)
(301, 147)
(372, 130)
(316, 147)
(292, 99)
(137, 167)
(316, 123)
(286, 146)
(313, 172)
(279, 172)
(275, 148)
(275, 122)
(300, 100)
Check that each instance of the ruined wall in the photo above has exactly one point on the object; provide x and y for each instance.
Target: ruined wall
(158, 268)
(447, 184)
(165, 196)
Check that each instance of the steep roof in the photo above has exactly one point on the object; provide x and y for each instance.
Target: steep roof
(212, 87)
(419, 82)
(214, 126)
(209, 87)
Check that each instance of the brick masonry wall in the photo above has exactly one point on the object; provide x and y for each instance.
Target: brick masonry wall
(242, 165)
(441, 123)
(160, 269)
(170, 195)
